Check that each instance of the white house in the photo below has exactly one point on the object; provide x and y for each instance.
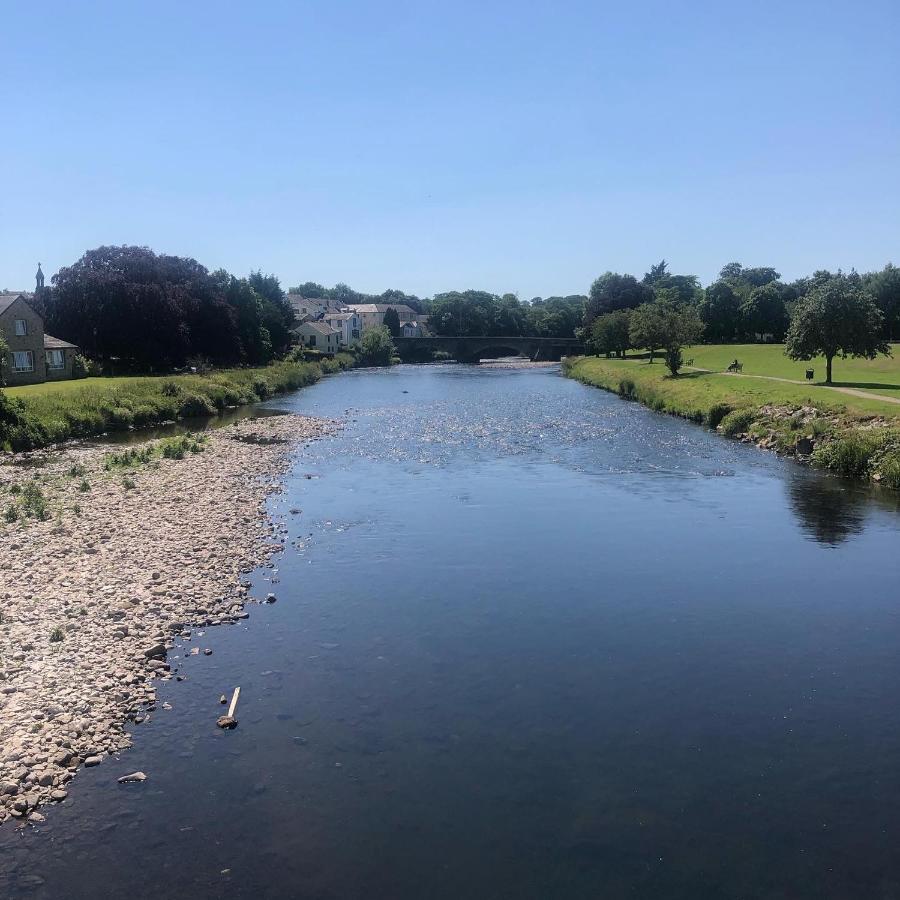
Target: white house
(371, 315)
(317, 336)
(347, 324)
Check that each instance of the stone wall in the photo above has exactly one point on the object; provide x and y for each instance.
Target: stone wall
(33, 341)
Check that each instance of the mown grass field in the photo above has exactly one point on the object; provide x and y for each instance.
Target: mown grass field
(881, 375)
(692, 394)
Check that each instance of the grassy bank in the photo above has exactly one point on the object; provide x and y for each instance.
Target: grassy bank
(38, 415)
(855, 436)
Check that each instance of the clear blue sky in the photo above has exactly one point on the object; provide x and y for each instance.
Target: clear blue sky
(511, 146)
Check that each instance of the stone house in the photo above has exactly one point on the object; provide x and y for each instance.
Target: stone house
(317, 336)
(33, 355)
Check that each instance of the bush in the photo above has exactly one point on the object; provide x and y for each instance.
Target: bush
(144, 415)
(626, 388)
(849, 455)
(261, 388)
(737, 422)
(716, 413)
(120, 418)
(889, 470)
(195, 405)
(82, 367)
(376, 348)
(674, 360)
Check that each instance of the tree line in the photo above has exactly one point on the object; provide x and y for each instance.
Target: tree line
(831, 314)
(471, 313)
(153, 312)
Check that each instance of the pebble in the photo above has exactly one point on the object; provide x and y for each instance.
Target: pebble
(135, 569)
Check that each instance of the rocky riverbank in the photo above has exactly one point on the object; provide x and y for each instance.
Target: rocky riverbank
(106, 556)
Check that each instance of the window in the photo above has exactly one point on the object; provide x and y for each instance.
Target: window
(355, 332)
(56, 359)
(23, 361)
(21, 328)
(312, 340)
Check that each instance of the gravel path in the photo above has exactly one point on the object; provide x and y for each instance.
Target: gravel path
(91, 597)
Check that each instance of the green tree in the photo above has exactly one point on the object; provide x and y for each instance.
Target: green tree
(610, 333)
(836, 318)
(647, 328)
(656, 273)
(375, 348)
(720, 311)
(764, 312)
(683, 327)
(612, 291)
(392, 321)
(277, 314)
(665, 325)
(884, 288)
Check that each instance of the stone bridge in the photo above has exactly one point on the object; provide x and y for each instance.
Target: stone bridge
(473, 349)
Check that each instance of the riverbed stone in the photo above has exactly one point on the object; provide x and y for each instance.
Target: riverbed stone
(132, 571)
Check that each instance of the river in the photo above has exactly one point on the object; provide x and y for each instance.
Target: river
(530, 641)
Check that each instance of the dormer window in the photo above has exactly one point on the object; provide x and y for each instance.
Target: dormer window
(21, 327)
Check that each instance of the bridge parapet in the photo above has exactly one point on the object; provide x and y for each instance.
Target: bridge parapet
(473, 349)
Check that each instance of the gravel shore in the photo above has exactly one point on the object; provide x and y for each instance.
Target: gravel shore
(111, 565)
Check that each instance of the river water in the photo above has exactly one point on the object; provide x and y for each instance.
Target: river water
(531, 641)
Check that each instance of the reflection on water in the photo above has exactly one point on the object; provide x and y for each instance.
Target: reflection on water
(531, 641)
(831, 509)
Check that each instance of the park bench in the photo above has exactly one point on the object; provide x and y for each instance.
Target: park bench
(736, 367)
(690, 362)
(810, 374)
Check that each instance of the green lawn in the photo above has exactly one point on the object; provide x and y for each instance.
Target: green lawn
(48, 388)
(696, 392)
(49, 413)
(881, 375)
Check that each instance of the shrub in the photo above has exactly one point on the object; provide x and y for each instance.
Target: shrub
(737, 422)
(850, 454)
(626, 387)
(195, 405)
(82, 367)
(716, 413)
(120, 418)
(261, 388)
(889, 470)
(170, 389)
(144, 415)
(56, 635)
(34, 504)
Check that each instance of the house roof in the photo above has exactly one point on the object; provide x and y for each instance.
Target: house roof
(7, 298)
(319, 327)
(55, 343)
(381, 307)
(339, 315)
